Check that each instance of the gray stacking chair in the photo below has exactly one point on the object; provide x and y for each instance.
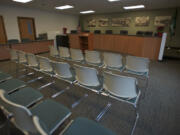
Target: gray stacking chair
(137, 65)
(14, 55)
(53, 51)
(26, 96)
(88, 77)
(113, 61)
(22, 57)
(4, 77)
(45, 65)
(122, 88)
(50, 114)
(64, 52)
(32, 61)
(93, 58)
(12, 85)
(63, 71)
(88, 127)
(76, 55)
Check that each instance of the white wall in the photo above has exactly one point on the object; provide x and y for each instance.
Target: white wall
(49, 22)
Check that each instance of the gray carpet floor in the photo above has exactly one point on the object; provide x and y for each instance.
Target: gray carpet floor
(158, 106)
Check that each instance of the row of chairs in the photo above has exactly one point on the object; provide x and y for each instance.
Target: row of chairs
(135, 65)
(113, 85)
(122, 32)
(23, 108)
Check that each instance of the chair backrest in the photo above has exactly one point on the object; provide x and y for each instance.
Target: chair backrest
(53, 51)
(140, 33)
(13, 41)
(123, 32)
(22, 57)
(87, 31)
(32, 60)
(108, 32)
(22, 116)
(76, 54)
(25, 40)
(120, 86)
(44, 64)
(14, 54)
(148, 33)
(137, 64)
(113, 60)
(86, 76)
(97, 32)
(92, 57)
(73, 31)
(41, 130)
(62, 69)
(64, 52)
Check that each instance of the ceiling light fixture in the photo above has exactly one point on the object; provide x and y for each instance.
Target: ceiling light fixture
(22, 1)
(64, 7)
(134, 7)
(113, 0)
(87, 12)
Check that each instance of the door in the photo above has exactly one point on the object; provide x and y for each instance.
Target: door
(3, 38)
(27, 28)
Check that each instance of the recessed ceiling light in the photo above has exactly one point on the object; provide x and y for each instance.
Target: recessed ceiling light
(22, 1)
(87, 12)
(134, 7)
(113, 0)
(64, 7)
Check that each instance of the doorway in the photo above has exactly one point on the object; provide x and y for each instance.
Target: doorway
(27, 28)
(3, 37)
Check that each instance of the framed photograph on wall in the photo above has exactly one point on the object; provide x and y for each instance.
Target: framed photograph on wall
(142, 21)
(91, 23)
(103, 22)
(121, 22)
(162, 20)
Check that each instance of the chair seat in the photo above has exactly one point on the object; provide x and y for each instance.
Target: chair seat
(51, 113)
(84, 126)
(4, 76)
(12, 85)
(25, 97)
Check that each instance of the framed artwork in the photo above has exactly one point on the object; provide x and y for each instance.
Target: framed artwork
(103, 22)
(162, 20)
(121, 22)
(91, 23)
(142, 21)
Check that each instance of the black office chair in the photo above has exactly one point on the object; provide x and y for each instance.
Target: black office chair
(62, 40)
(123, 32)
(73, 31)
(42, 36)
(13, 41)
(97, 32)
(25, 40)
(148, 33)
(156, 34)
(108, 32)
(140, 33)
(87, 31)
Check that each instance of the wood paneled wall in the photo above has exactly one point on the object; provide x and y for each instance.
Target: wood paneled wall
(133, 45)
(138, 46)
